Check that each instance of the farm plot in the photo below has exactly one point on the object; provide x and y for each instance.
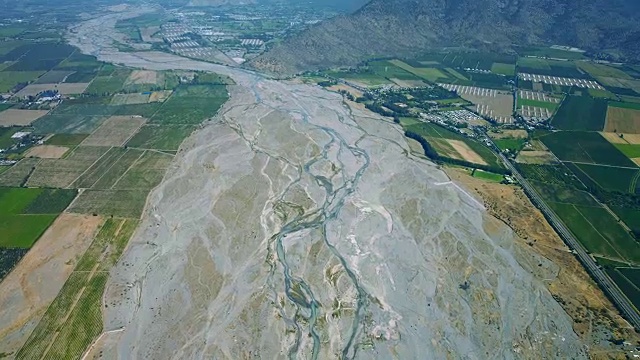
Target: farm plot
(18, 117)
(10, 79)
(585, 147)
(119, 203)
(503, 69)
(160, 96)
(130, 99)
(115, 131)
(60, 173)
(161, 137)
(622, 120)
(54, 77)
(47, 152)
(66, 139)
(19, 173)
(25, 214)
(561, 81)
(471, 151)
(191, 105)
(110, 84)
(74, 318)
(598, 231)
(98, 169)
(429, 74)
(76, 116)
(42, 56)
(64, 89)
(609, 178)
(494, 104)
(146, 173)
(581, 113)
(628, 285)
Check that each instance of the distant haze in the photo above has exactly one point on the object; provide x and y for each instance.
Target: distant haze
(347, 5)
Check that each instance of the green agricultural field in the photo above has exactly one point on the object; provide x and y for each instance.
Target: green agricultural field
(601, 70)
(160, 137)
(599, 232)
(625, 105)
(581, 113)
(631, 217)
(562, 194)
(557, 174)
(14, 200)
(430, 74)
(68, 123)
(66, 139)
(365, 78)
(631, 150)
(456, 74)
(429, 130)
(22, 231)
(9, 79)
(628, 287)
(99, 169)
(534, 63)
(611, 178)
(489, 176)
(51, 201)
(503, 69)
(118, 169)
(191, 105)
(603, 94)
(389, 70)
(551, 53)
(110, 84)
(119, 203)
(511, 144)
(535, 103)
(146, 173)
(74, 319)
(585, 147)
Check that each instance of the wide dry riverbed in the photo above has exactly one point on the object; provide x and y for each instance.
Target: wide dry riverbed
(292, 225)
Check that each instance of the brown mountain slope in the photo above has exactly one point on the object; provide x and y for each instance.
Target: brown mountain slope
(405, 27)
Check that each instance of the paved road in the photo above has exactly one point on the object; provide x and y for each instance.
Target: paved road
(607, 285)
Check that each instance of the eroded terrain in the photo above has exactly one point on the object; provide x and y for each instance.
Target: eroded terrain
(295, 226)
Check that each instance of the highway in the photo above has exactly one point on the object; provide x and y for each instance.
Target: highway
(606, 284)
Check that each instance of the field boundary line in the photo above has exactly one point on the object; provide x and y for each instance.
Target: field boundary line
(634, 183)
(107, 170)
(598, 164)
(134, 133)
(129, 168)
(90, 166)
(599, 233)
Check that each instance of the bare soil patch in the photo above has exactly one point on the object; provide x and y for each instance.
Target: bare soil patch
(147, 33)
(466, 152)
(622, 120)
(47, 152)
(64, 89)
(142, 77)
(160, 96)
(18, 117)
(28, 290)
(613, 138)
(573, 287)
(115, 131)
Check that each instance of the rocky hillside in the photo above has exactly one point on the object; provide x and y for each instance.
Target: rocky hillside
(405, 27)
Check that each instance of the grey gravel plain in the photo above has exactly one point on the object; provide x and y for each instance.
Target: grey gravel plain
(292, 225)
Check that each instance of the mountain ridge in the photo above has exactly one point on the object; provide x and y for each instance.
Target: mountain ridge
(384, 28)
